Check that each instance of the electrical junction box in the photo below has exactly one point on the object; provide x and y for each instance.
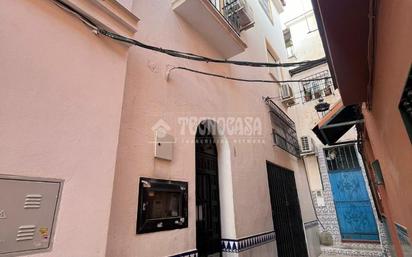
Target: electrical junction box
(320, 199)
(164, 145)
(28, 210)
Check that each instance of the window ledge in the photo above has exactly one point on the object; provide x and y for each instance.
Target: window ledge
(109, 14)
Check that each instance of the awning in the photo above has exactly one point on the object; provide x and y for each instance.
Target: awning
(337, 122)
(344, 29)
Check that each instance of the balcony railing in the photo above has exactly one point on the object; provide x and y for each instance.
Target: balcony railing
(284, 130)
(313, 90)
(237, 13)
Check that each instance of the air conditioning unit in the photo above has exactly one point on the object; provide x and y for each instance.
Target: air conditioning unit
(307, 145)
(243, 13)
(286, 94)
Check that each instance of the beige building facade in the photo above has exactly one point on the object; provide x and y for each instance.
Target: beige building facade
(304, 42)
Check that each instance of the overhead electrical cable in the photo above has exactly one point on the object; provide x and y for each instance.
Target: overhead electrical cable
(246, 80)
(170, 52)
(195, 57)
(192, 56)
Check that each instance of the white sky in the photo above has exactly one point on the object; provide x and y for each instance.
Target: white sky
(295, 8)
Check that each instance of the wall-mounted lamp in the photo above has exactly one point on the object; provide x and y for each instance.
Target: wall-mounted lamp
(331, 155)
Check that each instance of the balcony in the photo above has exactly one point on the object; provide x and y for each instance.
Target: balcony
(219, 22)
(284, 130)
(313, 90)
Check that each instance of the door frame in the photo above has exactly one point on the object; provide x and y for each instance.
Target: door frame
(215, 170)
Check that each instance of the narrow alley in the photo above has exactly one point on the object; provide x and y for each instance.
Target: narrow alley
(205, 128)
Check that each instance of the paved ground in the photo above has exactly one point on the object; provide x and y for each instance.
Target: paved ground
(324, 255)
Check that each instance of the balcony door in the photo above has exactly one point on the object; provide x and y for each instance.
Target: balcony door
(208, 231)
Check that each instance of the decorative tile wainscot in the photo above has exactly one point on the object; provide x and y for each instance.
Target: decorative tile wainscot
(243, 244)
(192, 253)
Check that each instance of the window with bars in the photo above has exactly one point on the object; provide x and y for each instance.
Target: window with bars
(342, 158)
(284, 130)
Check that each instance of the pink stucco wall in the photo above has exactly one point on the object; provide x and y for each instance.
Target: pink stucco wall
(387, 133)
(149, 97)
(61, 93)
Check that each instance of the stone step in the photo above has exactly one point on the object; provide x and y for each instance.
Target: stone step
(344, 252)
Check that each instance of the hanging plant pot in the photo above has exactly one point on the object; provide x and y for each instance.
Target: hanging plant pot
(308, 97)
(327, 91)
(322, 107)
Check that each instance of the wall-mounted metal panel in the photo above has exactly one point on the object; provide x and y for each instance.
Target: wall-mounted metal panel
(28, 209)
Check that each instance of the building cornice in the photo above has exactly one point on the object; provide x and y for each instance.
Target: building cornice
(109, 14)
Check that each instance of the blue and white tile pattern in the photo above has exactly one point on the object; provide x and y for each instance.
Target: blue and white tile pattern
(192, 253)
(243, 244)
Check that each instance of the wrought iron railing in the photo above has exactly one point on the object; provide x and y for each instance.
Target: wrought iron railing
(281, 114)
(289, 146)
(312, 90)
(231, 10)
(284, 130)
(230, 13)
(342, 158)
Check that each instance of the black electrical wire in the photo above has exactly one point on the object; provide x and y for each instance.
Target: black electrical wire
(195, 57)
(245, 80)
(174, 53)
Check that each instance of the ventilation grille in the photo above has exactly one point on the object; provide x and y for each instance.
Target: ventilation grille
(33, 201)
(305, 144)
(26, 232)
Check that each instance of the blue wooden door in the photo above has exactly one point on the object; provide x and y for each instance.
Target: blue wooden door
(353, 207)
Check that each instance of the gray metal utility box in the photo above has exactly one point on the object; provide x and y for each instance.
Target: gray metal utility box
(28, 211)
